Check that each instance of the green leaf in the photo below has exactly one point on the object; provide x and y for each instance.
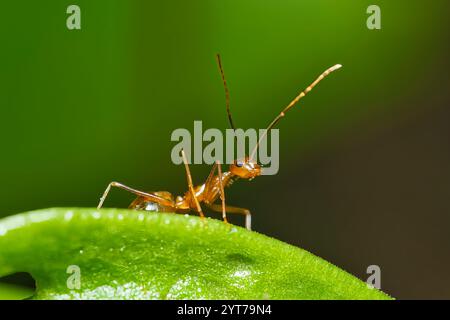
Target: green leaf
(14, 292)
(124, 254)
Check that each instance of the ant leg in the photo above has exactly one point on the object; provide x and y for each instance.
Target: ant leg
(222, 192)
(191, 186)
(211, 174)
(208, 182)
(136, 192)
(230, 209)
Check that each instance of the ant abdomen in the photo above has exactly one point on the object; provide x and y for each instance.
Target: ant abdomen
(143, 203)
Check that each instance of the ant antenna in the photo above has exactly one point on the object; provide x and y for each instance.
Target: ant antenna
(227, 93)
(293, 102)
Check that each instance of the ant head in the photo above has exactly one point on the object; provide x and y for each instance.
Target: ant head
(245, 168)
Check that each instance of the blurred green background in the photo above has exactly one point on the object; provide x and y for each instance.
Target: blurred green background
(364, 163)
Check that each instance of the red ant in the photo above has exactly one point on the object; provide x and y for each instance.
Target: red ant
(213, 188)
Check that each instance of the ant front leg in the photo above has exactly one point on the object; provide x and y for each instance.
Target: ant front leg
(230, 209)
(211, 174)
(191, 186)
(222, 191)
(146, 195)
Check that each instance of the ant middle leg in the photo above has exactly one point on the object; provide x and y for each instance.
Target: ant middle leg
(146, 195)
(191, 186)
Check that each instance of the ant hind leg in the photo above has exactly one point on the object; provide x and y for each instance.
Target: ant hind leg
(146, 195)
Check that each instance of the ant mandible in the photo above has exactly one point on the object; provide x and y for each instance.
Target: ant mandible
(213, 188)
